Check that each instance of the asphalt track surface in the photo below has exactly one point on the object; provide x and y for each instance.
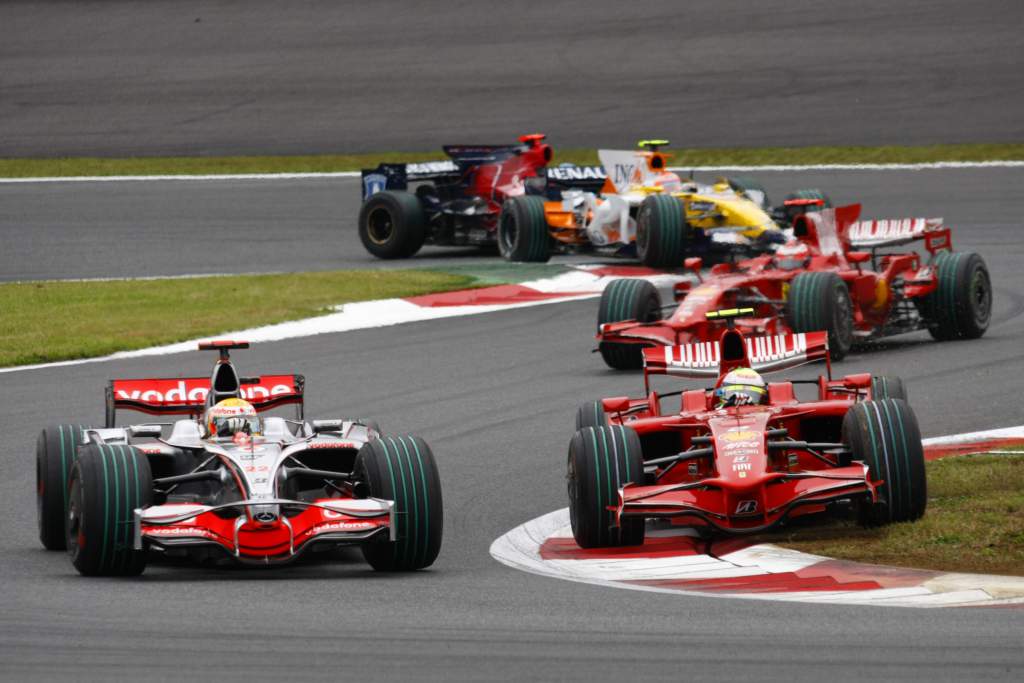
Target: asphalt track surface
(195, 78)
(495, 396)
(159, 228)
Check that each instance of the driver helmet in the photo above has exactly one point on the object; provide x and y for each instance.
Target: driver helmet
(230, 417)
(742, 386)
(792, 255)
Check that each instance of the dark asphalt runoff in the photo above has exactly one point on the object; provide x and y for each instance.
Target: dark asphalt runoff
(495, 395)
(193, 78)
(147, 228)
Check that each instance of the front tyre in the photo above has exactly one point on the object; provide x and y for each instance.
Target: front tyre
(662, 233)
(402, 469)
(888, 387)
(885, 436)
(601, 461)
(821, 301)
(56, 451)
(627, 300)
(392, 224)
(523, 230)
(107, 484)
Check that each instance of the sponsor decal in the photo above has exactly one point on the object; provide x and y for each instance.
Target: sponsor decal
(626, 174)
(741, 466)
(576, 173)
(739, 435)
(265, 517)
(746, 507)
(431, 167)
(702, 206)
(345, 526)
(193, 391)
(178, 531)
(332, 444)
(741, 458)
(256, 468)
(374, 183)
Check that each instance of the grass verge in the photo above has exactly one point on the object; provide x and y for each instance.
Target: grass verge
(54, 321)
(324, 163)
(974, 523)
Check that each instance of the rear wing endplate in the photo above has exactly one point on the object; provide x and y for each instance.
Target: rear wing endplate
(765, 354)
(398, 176)
(187, 395)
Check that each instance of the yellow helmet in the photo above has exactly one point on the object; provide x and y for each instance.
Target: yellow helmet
(742, 386)
(232, 416)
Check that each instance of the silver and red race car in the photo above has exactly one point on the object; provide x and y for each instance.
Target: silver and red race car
(113, 495)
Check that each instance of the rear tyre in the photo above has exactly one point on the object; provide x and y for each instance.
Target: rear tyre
(107, 484)
(821, 301)
(662, 233)
(601, 461)
(392, 224)
(888, 387)
(627, 300)
(56, 452)
(591, 414)
(961, 306)
(523, 230)
(751, 189)
(402, 469)
(884, 434)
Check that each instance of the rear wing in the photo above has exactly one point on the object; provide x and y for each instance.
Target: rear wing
(187, 395)
(398, 176)
(898, 231)
(765, 354)
(568, 176)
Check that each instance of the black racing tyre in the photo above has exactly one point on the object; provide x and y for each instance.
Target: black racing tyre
(627, 300)
(56, 451)
(887, 387)
(961, 306)
(107, 484)
(523, 233)
(821, 301)
(392, 224)
(662, 233)
(601, 461)
(591, 414)
(402, 469)
(885, 436)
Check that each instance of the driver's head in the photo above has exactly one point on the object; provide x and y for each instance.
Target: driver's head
(792, 255)
(742, 386)
(230, 417)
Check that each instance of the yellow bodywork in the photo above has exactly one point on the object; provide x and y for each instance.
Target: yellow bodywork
(730, 210)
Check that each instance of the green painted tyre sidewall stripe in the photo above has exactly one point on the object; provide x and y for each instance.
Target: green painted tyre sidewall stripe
(897, 488)
(608, 477)
(405, 498)
(426, 498)
(598, 486)
(394, 489)
(876, 460)
(625, 454)
(415, 501)
(911, 507)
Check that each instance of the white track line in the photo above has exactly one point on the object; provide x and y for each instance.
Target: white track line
(936, 165)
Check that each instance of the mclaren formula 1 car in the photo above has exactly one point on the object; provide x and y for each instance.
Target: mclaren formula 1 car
(738, 468)
(265, 495)
(858, 280)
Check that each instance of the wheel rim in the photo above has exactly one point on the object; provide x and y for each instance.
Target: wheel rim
(508, 234)
(981, 297)
(379, 226)
(843, 321)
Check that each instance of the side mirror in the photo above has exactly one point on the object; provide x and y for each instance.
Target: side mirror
(145, 430)
(858, 257)
(617, 404)
(858, 381)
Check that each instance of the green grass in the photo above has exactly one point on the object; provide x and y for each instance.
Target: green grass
(92, 166)
(52, 321)
(974, 523)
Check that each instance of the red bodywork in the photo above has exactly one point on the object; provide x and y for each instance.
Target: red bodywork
(737, 478)
(882, 296)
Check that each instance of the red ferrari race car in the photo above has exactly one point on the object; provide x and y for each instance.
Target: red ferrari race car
(455, 202)
(227, 484)
(743, 456)
(854, 279)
